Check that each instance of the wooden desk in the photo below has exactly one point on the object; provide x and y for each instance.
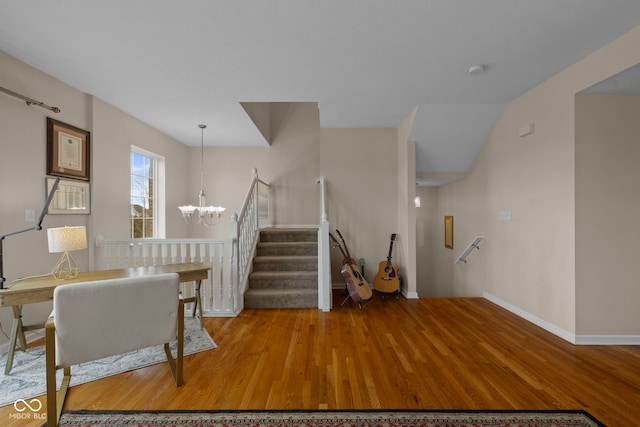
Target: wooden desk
(40, 289)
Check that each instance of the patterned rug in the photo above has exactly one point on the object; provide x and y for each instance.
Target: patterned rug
(27, 378)
(372, 418)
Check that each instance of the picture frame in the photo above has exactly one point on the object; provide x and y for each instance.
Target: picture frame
(72, 197)
(68, 149)
(448, 232)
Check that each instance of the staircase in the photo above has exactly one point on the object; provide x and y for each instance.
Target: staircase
(285, 270)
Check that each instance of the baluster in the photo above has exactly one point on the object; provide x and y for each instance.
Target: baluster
(165, 257)
(183, 252)
(174, 253)
(107, 256)
(210, 254)
(154, 254)
(141, 259)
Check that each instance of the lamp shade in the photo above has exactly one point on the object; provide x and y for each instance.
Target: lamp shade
(64, 239)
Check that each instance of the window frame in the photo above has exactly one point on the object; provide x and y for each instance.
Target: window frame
(158, 191)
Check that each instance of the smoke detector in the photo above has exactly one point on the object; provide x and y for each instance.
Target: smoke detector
(476, 69)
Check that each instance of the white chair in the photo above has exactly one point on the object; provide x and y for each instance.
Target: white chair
(97, 319)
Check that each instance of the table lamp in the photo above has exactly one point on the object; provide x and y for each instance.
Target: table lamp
(66, 239)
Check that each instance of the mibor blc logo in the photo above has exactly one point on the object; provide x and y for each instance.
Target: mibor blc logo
(26, 410)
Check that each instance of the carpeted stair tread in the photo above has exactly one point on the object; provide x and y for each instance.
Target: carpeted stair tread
(287, 248)
(289, 235)
(285, 270)
(281, 298)
(283, 279)
(284, 274)
(287, 262)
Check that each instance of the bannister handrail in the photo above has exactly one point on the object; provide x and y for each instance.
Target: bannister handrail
(247, 198)
(245, 227)
(101, 241)
(475, 244)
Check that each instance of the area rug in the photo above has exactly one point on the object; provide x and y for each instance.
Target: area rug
(27, 378)
(370, 418)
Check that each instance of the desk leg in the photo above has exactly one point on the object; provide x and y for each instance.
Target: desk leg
(198, 303)
(17, 333)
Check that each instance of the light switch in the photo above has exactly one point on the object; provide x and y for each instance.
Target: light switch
(505, 215)
(30, 215)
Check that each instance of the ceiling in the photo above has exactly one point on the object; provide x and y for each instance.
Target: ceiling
(367, 63)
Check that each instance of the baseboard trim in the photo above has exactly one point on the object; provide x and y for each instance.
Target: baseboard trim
(607, 340)
(550, 327)
(559, 332)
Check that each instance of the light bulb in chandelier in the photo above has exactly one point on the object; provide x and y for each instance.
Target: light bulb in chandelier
(201, 214)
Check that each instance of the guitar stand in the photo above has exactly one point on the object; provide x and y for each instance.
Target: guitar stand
(383, 295)
(344, 300)
(360, 304)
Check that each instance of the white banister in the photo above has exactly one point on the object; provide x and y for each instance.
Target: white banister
(253, 216)
(324, 260)
(219, 291)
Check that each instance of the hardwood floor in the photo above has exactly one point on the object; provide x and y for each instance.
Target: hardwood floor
(462, 353)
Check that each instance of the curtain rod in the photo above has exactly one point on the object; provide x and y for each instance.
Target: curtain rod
(29, 101)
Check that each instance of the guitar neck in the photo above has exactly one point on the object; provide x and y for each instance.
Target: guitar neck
(338, 245)
(348, 255)
(393, 239)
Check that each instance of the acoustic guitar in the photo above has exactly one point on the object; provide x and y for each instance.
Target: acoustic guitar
(387, 279)
(357, 286)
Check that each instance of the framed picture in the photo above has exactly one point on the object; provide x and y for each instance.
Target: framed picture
(448, 232)
(71, 197)
(67, 150)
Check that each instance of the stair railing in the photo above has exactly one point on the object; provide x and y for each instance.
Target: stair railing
(245, 227)
(324, 260)
(475, 244)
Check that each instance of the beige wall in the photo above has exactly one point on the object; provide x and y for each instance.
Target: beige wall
(23, 138)
(355, 161)
(360, 166)
(607, 213)
(23, 167)
(529, 263)
(114, 132)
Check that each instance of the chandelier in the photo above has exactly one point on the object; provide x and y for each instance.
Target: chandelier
(201, 214)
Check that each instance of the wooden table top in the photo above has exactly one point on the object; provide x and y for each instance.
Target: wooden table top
(39, 289)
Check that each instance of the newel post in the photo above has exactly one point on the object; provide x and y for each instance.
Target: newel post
(324, 257)
(235, 263)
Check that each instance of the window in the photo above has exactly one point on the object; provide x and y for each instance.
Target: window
(145, 194)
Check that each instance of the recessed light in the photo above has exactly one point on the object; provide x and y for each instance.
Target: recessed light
(476, 69)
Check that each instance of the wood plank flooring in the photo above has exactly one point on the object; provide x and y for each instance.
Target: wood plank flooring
(461, 353)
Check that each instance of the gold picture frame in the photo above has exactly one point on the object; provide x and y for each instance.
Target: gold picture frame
(448, 232)
(67, 150)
